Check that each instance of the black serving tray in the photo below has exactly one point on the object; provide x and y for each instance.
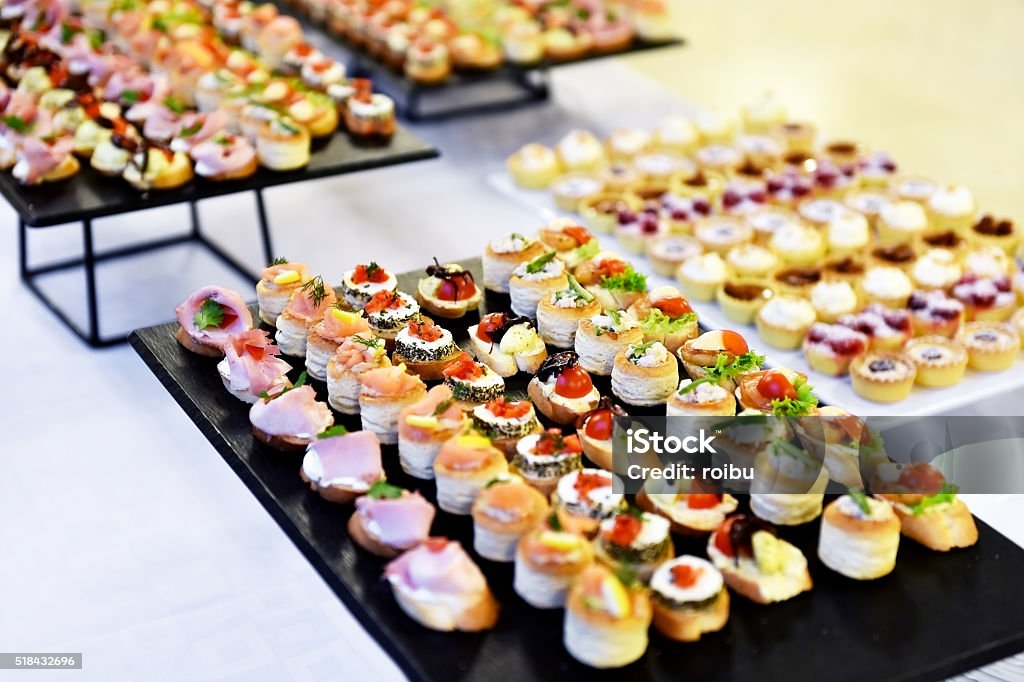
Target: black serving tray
(89, 194)
(935, 616)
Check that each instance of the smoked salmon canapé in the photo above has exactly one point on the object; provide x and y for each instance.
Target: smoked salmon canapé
(502, 513)
(448, 290)
(440, 587)
(208, 317)
(290, 418)
(389, 520)
(305, 308)
(386, 391)
(279, 281)
(606, 621)
(251, 366)
(548, 559)
(508, 344)
(359, 284)
(463, 467)
(357, 354)
(341, 465)
(425, 348)
(424, 426)
(326, 335)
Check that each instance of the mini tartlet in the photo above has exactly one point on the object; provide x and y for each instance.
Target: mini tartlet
(990, 231)
(700, 276)
(940, 361)
(991, 346)
(985, 298)
(902, 221)
(886, 285)
(883, 376)
(751, 260)
(830, 348)
(719, 235)
(783, 321)
(833, 299)
(932, 312)
(667, 252)
(951, 208)
(533, 166)
(742, 299)
(887, 329)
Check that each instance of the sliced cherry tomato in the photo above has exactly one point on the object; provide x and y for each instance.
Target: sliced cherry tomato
(674, 307)
(922, 478)
(229, 317)
(456, 288)
(625, 531)
(600, 425)
(775, 386)
(383, 300)
(422, 329)
(369, 273)
(435, 544)
(257, 353)
(573, 382)
(722, 541)
(488, 325)
(613, 267)
(579, 233)
(734, 343)
(499, 407)
(684, 575)
(463, 367)
(587, 483)
(703, 501)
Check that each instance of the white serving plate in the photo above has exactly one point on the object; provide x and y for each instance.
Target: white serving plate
(975, 387)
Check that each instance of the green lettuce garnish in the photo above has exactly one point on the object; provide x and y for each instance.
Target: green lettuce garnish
(728, 369)
(588, 250)
(629, 280)
(658, 322)
(800, 406)
(945, 496)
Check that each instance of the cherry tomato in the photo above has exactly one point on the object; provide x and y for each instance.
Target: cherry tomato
(702, 501)
(574, 382)
(722, 541)
(435, 544)
(448, 290)
(488, 325)
(600, 425)
(580, 234)
(775, 386)
(674, 307)
(734, 343)
(228, 319)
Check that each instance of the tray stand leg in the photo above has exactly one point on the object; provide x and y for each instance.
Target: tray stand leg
(261, 216)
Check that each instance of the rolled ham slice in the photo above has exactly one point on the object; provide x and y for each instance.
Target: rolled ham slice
(439, 565)
(353, 455)
(237, 317)
(253, 361)
(400, 522)
(209, 125)
(297, 414)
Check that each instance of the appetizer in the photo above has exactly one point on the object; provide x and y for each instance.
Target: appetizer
(548, 560)
(645, 374)
(360, 284)
(701, 398)
(686, 506)
(448, 290)
(306, 307)
(472, 383)
(559, 314)
(505, 422)
(357, 354)
(502, 513)
(789, 485)
(280, 280)
(721, 356)
(606, 622)
(385, 392)
(542, 459)
(756, 563)
(562, 390)
(208, 318)
(424, 427)
(439, 586)
(612, 280)
(929, 509)
(596, 429)
(571, 241)
(463, 467)
(290, 418)
(327, 335)
(388, 312)
(532, 281)
(425, 348)
(600, 338)
(883, 377)
(251, 366)
(389, 520)
(341, 465)
(689, 598)
(666, 317)
(860, 536)
(508, 344)
(582, 499)
(503, 255)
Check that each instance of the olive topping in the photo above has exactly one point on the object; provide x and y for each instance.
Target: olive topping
(442, 272)
(555, 364)
(741, 534)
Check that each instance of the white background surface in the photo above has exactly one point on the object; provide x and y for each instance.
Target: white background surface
(122, 533)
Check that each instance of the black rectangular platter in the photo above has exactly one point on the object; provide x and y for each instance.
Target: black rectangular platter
(935, 616)
(89, 194)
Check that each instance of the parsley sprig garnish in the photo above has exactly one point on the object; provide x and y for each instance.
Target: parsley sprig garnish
(314, 289)
(189, 131)
(18, 125)
(175, 104)
(336, 430)
(382, 490)
(210, 314)
(800, 406)
(555, 522)
(301, 381)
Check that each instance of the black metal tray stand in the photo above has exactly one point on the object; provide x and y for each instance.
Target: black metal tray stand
(89, 195)
(935, 616)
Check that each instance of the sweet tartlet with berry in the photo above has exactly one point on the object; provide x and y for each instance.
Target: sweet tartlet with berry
(600, 213)
(933, 313)
(832, 179)
(636, 228)
(830, 348)
(680, 213)
(877, 169)
(991, 346)
(986, 298)
(883, 376)
(940, 361)
(668, 251)
(887, 329)
(720, 234)
(448, 290)
(571, 189)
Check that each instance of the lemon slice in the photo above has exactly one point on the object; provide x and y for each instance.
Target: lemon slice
(474, 442)
(767, 552)
(616, 599)
(562, 542)
(422, 422)
(290, 277)
(344, 316)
